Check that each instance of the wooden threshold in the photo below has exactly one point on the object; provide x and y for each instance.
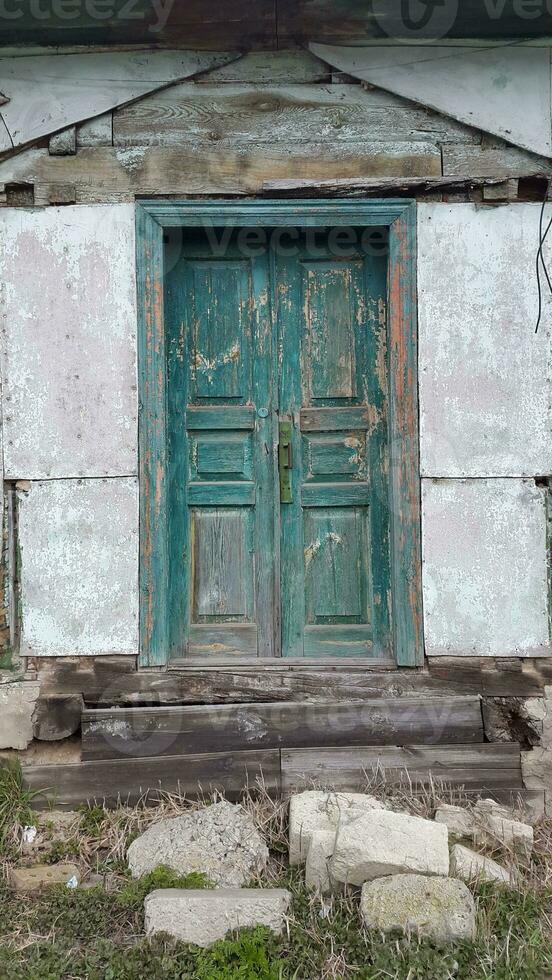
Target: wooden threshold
(282, 663)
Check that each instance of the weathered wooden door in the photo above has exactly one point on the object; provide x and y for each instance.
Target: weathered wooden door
(279, 523)
(223, 576)
(331, 312)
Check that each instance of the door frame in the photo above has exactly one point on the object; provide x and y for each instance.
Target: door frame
(399, 217)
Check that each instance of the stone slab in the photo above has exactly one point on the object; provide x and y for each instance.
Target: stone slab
(440, 908)
(204, 916)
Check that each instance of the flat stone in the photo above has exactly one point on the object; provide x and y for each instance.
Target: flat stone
(17, 706)
(33, 880)
(385, 843)
(322, 812)
(221, 841)
(496, 826)
(471, 866)
(459, 821)
(206, 915)
(442, 909)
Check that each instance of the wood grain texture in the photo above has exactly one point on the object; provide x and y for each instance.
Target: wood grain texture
(474, 767)
(128, 780)
(406, 555)
(154, 561)
(285, 67)
(109, 681)
(243, 114)
(120, 733)
(490, 160)
(109, 174)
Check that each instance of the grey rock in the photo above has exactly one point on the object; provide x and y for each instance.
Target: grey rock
(385, 843)
(322, 812)
(204, 916)
(471, 866)
(221, 841)
(497, 826)
(442, 909)
(459, 821)
(17, 706)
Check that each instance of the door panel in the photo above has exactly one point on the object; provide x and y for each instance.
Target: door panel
(221, 440)
(282, 342)
(333, 390)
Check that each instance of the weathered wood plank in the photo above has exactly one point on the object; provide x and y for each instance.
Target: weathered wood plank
(243, 114)
(129, 779)
(96, 132)
(138, 732)
(361, 186)
(80, 86)
(270, 68)
(116, 174)
(64, 143)
(475, 767)
(492, 161)
(108, 681)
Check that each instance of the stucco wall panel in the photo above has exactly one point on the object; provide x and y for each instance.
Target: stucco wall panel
(485, 378)
(68, 309)
(79, 567)
(485, 568)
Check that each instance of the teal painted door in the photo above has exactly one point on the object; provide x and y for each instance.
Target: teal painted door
(331, 314)
(277, 549)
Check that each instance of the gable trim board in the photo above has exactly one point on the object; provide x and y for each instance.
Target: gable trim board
(504, 90)
(47, 93)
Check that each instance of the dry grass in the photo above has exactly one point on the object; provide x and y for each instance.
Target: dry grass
(325, 937)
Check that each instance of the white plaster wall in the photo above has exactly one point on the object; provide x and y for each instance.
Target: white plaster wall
(485, 378)
(68, 318)
(79, 567)
(485, 568)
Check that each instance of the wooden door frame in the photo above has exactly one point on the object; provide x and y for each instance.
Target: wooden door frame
(399, 216)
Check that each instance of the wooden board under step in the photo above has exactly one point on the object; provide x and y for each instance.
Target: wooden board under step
(129, 779)
(469, 770)
(474, 767)
(114, 733)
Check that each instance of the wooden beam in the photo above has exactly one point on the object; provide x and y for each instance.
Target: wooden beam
(474, 767)
(109, 681)
(128, 780)
(108, 174)
(141, 732)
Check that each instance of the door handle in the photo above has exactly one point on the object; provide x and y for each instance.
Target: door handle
(285, 461)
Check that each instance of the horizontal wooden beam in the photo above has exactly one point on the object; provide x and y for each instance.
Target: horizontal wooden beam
(474, 767)
(127, 780)
(140, 732)
(468, 770)
(111, 681)
(112, 174)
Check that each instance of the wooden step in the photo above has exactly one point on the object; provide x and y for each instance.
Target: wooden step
(128, 780)
(116, 733)
(475, 767)
(470, 770)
